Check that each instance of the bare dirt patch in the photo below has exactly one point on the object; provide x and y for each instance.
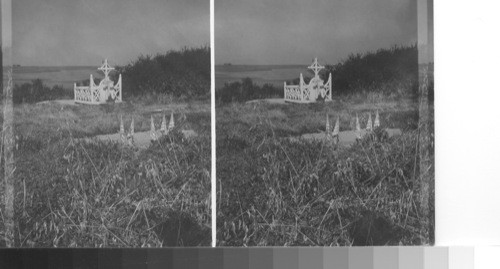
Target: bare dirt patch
(142, 140)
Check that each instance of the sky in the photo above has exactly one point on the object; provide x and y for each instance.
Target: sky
(296, 31)
(84, 32)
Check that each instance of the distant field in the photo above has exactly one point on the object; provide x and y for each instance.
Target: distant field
(260, 74)
(67, 75)
(55, 75)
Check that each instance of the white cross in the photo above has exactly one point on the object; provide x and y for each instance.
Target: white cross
(316, 67)
(105, 68)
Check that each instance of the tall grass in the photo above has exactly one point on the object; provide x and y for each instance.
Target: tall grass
(74, 193)
(287, 193)
(272, 190)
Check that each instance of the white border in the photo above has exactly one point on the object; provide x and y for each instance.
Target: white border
(212, 125)
(467, 128)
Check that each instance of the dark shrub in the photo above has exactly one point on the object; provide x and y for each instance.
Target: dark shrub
(246, 90)
(36, 91)
(179, 73)
(373, 69)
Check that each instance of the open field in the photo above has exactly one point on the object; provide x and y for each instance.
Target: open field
(64, 76)
(260, 74)
(75, 192)
(86, 120)
(275, 191)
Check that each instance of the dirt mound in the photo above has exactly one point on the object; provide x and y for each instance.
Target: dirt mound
(66, 102)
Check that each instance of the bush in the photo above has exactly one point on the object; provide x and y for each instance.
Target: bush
(178, 73)
(246, 90)
(361, 72)
(36, 91)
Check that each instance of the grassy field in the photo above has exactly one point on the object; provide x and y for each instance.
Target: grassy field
(73, 193)
(276, 188)
(74, 190)
(272, 191)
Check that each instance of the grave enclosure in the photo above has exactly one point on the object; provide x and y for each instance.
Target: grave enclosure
(309, 93)
(102, 93)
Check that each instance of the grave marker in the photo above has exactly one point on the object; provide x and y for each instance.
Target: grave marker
(369, 125)
(171, 124)
(309, 93)
(163, 128)
(152, 132)
(358, 128)
(100, 94)
(376, 124)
